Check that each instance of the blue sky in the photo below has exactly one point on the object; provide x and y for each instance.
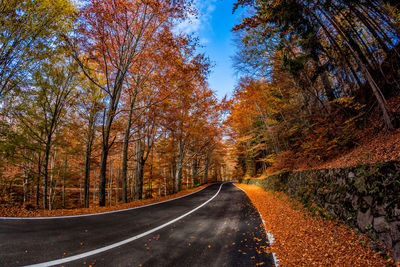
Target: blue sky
(213, 27)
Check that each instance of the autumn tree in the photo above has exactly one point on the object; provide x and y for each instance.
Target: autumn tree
(119, 33)
(311, 72)
(317, 38)
(28, 30)
(188, 116)
(115, 90)
(148, 88)
(89, 106)
(43, 106)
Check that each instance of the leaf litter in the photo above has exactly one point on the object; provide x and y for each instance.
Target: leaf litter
(302, 240)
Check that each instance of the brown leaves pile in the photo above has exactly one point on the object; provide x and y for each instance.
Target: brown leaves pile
(301, 240)
(374, 148)
(12, 211)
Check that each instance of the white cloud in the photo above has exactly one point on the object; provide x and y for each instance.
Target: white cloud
(203, 41)
(191, 25)
(197, 23)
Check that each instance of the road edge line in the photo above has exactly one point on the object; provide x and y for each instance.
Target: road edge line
(100, 213)
(123, 242)
(270, 236)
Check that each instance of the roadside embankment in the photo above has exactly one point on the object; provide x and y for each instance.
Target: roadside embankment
(365, 197)
(303, 240)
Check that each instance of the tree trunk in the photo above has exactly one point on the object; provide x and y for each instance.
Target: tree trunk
(80, 190)
(51, 184)
(139, 167)
(206, 166)
(159, 176)
(363, 63)
(94, 191)
(338, 48)
(179, 166)
(165, 181)
(125, 150)
(132, 185)
(25, 185)
(194, 170)
(327, 85)
(64, 178)
(139, 180)
(88, 154)
(46, 172)
(116, 188)
(87, 176)
(112, 108)
(110, 184)
(39, 166)
(150, 187)
(103, 170)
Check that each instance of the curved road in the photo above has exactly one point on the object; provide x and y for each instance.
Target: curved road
(217, 226)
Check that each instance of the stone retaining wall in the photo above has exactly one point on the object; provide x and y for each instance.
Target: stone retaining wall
(366, 197)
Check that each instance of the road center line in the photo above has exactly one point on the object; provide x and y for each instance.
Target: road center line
(123, 242)
(99, 213)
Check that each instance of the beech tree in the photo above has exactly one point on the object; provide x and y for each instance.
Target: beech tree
(89, 105)
(110, 96)
(187, 115)
(119, 32)
(28, 30)
(44, 105)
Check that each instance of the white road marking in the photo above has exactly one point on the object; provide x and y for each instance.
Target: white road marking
(271, 238)
(123, 242)
(94, 214)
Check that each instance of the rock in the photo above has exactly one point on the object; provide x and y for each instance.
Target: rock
(354, 202)
(348, 196)
(386, 239)
(368, 200)
(372, 234)
(380, 225)
(396, 252)
(351, 175)
(333, 198)
(380, 210)
(396, 212)
(395, 231)
(364, 219)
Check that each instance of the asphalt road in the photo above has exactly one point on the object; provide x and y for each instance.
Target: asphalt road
(217, 226)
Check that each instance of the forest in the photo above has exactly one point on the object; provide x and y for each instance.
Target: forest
(318, 79)
(111, 113)
(102, 102)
